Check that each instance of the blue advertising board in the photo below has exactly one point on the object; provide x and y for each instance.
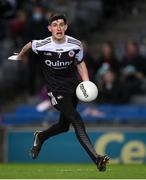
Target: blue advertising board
(122, 146)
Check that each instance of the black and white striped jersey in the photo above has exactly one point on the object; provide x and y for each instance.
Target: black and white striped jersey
(58, 62)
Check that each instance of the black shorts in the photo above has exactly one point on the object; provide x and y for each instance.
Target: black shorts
(63, 101)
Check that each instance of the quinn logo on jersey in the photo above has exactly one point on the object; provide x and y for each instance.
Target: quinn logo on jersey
(58, 64)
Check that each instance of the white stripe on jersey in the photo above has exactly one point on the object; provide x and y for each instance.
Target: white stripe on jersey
(49, 45)
(43, 45)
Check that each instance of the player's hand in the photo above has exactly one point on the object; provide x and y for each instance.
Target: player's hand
(13, 57)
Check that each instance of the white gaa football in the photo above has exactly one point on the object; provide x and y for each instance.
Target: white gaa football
(87, 91)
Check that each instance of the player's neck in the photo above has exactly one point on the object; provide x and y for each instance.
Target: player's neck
(58, 41)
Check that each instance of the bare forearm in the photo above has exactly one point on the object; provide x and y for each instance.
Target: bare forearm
(24, 51)
(83, 72)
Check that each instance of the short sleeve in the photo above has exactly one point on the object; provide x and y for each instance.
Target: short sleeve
(34, 46)
(79, 55)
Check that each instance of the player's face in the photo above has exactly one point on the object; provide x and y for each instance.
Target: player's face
(58, 29)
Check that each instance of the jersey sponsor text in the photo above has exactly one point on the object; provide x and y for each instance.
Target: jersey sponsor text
(58, 63)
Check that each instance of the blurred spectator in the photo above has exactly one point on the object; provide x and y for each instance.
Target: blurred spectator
(134, 58)
(66, 7)
(110, 88)
(29, 5)
(88, 16)
(108, 58)
(132, 82)
(44, 102)
(3, 30)
(133, 69)
(117, 8)
(7, 8)
(89, 61)
(37, 28)
(17, 27)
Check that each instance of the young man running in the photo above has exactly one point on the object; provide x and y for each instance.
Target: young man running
(61, 61)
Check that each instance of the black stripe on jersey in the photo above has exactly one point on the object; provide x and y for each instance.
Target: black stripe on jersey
(74, 41)
(43, 42)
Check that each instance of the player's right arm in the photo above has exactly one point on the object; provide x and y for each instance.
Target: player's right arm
(22, 54)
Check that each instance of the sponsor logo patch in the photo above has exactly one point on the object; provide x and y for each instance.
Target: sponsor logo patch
(48, 53)
(71, 53)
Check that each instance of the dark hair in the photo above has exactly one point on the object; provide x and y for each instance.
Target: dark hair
(57, 16)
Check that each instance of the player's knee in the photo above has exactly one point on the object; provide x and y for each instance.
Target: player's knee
(65, 128)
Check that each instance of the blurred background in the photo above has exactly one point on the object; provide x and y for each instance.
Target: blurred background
(113, 33)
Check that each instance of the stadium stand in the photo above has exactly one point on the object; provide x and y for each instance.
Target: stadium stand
(117, 114)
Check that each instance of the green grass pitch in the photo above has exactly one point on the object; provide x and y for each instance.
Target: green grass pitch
(70, 171)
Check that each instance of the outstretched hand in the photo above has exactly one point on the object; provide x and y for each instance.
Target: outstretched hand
(13, 57)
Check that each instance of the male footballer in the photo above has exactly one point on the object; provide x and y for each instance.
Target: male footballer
(61, 61)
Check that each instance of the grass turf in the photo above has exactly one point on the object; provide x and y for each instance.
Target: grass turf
(70, 171)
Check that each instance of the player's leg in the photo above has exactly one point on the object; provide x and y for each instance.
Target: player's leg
(60, 127)
(74, 117)
(84, 140)
(41, 136)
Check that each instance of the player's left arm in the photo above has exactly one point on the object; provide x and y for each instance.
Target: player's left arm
(83, 72)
